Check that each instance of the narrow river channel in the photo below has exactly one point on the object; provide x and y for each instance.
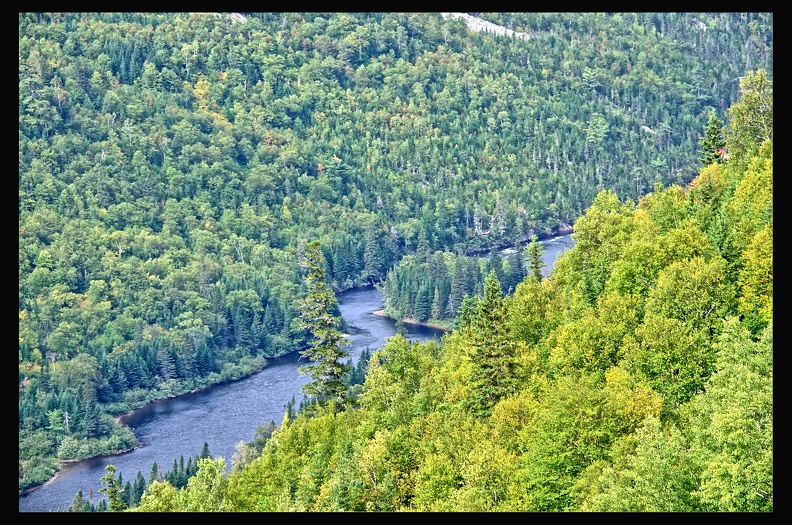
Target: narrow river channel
(224, 415)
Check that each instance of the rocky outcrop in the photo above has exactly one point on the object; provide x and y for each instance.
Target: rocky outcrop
(478, 24)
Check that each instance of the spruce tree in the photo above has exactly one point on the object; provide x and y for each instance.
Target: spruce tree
(155, 474)
(423, 304)
(326, 368)
(137, 490)
(495, 263)
(533, 253)
(113, 489)
(80, 504)
(494, 374)
(712, 142)
(127, 495)
(458, 286)
(375, 260)
(465, 312)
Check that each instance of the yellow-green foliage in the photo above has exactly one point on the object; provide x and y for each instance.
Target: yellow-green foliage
(642, 381)
(752, 205)
(756, 276)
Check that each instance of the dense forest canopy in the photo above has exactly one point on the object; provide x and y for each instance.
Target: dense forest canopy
(637, 377)
(173, 168)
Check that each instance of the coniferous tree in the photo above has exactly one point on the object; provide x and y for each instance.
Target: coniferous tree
(172, 476)
(400, 329)
(495, 264)
(533, 253)
(423, 304)
(516, 270)
(493, 356)
(162, 185)
(137, 490)
(290, 412)
(358, 374)
(437, 304)
(113, 489)
(423, 251)
(465, 314)
(712, 143)
(326, 368)
(155, 474)
(458, 286)
(126, 494)
(80, 503)
(376, 262)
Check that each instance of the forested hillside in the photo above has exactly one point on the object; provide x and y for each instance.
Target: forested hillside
(637, 377)
(173, 167)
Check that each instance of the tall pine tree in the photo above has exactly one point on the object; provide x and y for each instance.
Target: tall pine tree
(533, 253)
(113, 488)
(327, 368)
(494, 373)
(712, 142)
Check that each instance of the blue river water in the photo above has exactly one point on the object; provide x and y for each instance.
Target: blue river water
(224, 415)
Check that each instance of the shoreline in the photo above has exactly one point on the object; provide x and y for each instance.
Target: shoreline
(118, 419)
(381, 313)
(62, 462)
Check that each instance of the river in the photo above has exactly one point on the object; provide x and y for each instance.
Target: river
(224, 415)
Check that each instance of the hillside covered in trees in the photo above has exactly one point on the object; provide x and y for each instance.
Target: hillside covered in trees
(173, 167)
(637, 377)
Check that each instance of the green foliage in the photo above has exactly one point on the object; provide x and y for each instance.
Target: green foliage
(712, 144)
(673, 359)
(627, 403)
(113, 489)
(206, 490)
(394, 378)
(327, 369)
(160, 496)
(537, 308)
(756, 281)
(576, 428)
(80, 503)
(533, 255)
(694, 292)
(751, 117)
(599, 237)
(172, 165)
(731, 424)
(650, 472)
(594, 343)
(492, 352)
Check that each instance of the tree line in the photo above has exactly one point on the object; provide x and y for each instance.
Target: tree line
(437, 287)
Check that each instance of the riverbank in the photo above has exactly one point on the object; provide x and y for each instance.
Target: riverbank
(408, 320)
(120, 418)
(560, 231)
(62, 462)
